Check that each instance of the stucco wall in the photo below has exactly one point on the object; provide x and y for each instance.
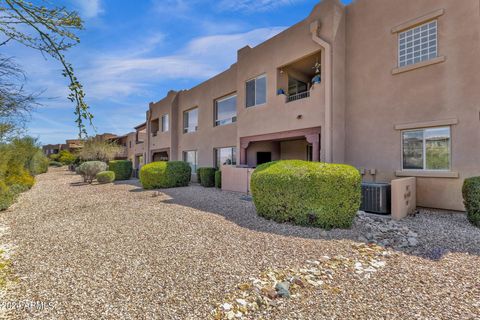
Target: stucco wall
(378, 100)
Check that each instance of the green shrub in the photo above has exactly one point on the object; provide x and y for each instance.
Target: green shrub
(89, 170)
(471, 199)
(207, 177)
(19, 176)
(39, 163)
(122, 168)
(165, 174)
(105, 177)
(54, 156)
(198, 175)
(66, 157)
(218, 179)
(55, 164)
(307, 193)
(6, 196)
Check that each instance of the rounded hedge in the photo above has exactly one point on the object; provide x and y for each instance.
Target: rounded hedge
(165, 174)
(55, 164)
(307, 193)
(218, 179)
(471, 199)
(122, 168)
(105, 177)
(207, 177)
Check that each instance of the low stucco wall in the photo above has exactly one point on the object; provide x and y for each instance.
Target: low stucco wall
(236, 179)
(404, 197)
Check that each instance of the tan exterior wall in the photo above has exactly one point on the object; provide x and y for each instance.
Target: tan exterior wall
(377, 100)
(208, 136)
(360, 102)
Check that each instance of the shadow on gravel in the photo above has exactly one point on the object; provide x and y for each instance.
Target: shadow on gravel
(436, 232)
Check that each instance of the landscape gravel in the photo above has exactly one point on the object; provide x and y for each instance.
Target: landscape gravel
(115, 251)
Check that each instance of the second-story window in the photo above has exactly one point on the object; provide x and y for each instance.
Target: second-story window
(418, 44)
(256, 91)
(190, 120)
(226, 110)
(165, 123)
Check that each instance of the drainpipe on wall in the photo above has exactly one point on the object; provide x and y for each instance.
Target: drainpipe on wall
(148, 157)
(314, 26)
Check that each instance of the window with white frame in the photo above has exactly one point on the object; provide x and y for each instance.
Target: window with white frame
(256, 91)
(190, 120)
(191, 158)
(165, 122)
(418, 44)
(226, 110)
(426, 149)
(225, 156)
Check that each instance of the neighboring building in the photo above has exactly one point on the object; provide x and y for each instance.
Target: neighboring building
(391, 89)
(50, 149)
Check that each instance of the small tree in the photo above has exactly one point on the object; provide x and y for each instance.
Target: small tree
(99, 150)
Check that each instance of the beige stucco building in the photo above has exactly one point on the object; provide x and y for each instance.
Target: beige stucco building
(389, 87)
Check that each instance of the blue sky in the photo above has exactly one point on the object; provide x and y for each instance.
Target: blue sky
(133, 52)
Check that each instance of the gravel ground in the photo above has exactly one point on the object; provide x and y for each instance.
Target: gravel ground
(117, 252)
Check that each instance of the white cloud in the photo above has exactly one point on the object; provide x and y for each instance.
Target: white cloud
(117, 75)
(254, 5)
(89, 8)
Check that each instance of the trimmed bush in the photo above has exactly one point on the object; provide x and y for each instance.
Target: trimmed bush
(198, 175)
(122, 168)
(207, 177)
(105, 177)
(471, 199)
(89, 169)
(218, 179)
(307, 193)
(165, 174)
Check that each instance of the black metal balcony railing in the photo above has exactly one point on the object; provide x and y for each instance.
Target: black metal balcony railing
(298, 96)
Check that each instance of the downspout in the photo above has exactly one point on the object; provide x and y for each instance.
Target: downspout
(147, 153)
(327, 71)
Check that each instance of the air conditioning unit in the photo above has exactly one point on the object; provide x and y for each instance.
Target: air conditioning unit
(376, 197)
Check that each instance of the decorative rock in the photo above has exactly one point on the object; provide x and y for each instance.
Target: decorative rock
(412, 242)
(270, 293)
(226, 306)
(241, 302)
(282, 289)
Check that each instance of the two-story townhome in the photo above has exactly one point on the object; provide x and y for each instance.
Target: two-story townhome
(388, 86)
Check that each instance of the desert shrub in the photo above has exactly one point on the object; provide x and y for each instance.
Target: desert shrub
(88, 170)
(307, 193)
(94, 150)
(105, 177)
(218, 179)
(471, 199)
(54, 156)
(55, 164)
(6, 196)
(165, 174)
(122, 168)
(19, 176)
(207, 177)
(66, 157)
(39, 163)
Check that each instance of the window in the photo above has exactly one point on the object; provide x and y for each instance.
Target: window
(165, 123)
(191, 158)
(130, 144)
(190, 120)
(256, 91)
(226, 110)
(418, 44)
(225, 156)
(426, 149)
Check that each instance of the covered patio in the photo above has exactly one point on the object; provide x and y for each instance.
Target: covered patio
(301, 144)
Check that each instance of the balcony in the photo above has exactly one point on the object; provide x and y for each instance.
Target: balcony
(297, 96)
(296, 79)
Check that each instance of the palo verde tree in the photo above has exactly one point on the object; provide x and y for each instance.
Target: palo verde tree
(50, 30)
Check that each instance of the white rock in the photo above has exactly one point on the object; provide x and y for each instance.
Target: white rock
(226, 306)
(241, 302)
